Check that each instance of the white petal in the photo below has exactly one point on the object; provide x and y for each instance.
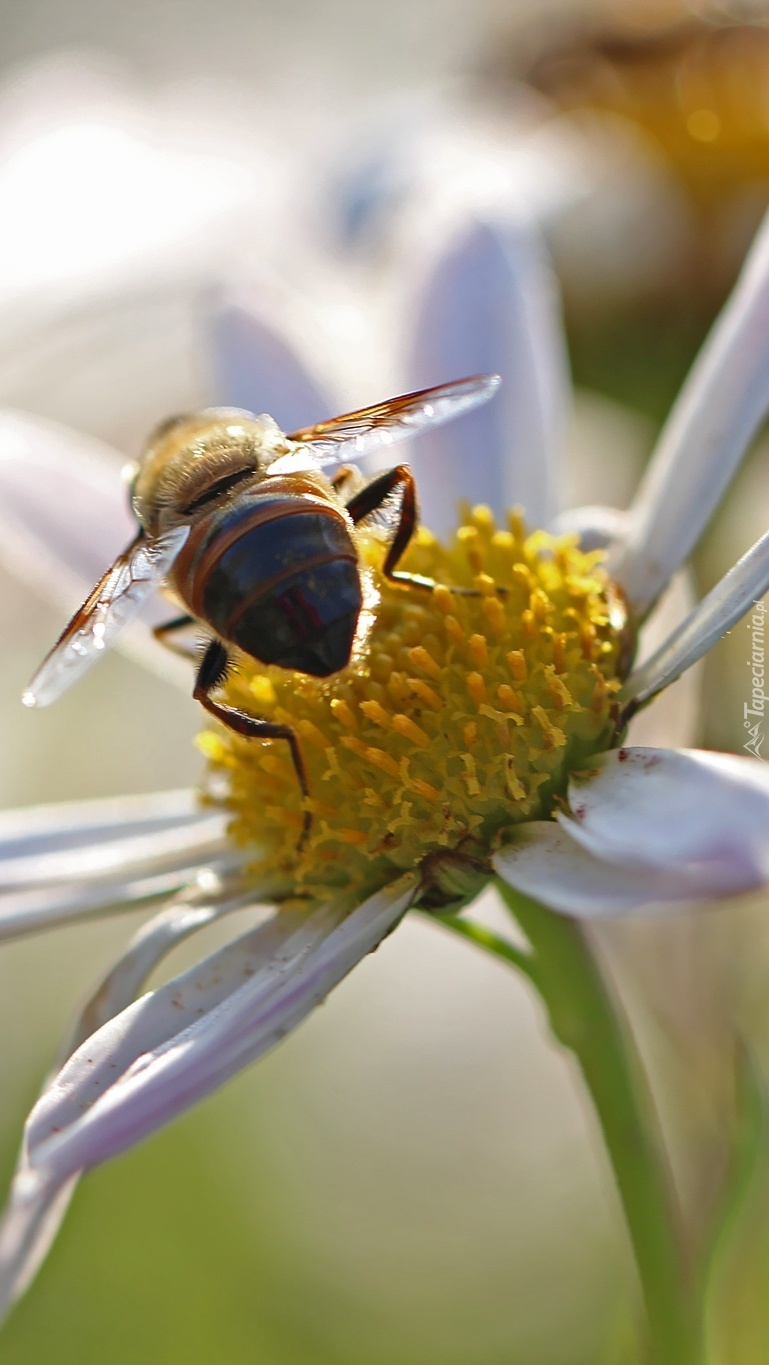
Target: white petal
(671, 720)
(39, 1204)
(257, 368)
(427, 147)
(27, 1230)
(38, 830)
(648, 827)
(489, 306)
(671, 807)
(176, 1045)
(170, 1049)
(731, 599)
(719, 410)
(63, 862)
(546, 864)
(698, 815)
(130, 845)
(28, 912)
(64, 518)
(208, 899)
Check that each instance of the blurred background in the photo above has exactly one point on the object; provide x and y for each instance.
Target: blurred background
(415, 1177)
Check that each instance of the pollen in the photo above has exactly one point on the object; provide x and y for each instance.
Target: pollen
(460, 716)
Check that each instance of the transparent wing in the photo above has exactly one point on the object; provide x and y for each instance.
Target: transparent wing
(115, 601)
(360, 433)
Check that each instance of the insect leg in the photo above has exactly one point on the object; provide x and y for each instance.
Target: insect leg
(167, 628)
(213, 671)
(372, 497)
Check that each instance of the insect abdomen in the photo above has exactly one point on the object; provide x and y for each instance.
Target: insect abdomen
(283, 585)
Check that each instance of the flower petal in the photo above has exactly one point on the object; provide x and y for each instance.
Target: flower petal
(731, 599)
(210, 898)
(39, 1206)
(173, 1047)
(489, 305)
(702, 816)
(27, 1231)
(648, 827)
(67, 861)
(179, 1043)
(256, 368)
(717, 413)
(671, 720)
(546, 864)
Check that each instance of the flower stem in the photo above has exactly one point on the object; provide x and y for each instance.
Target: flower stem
(586, 1019)
(493, 943)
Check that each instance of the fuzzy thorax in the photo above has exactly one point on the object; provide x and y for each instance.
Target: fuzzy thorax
(459, 717)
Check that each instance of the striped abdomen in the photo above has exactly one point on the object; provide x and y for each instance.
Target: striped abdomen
(278, 577)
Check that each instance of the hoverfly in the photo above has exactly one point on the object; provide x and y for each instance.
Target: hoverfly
(258, 543)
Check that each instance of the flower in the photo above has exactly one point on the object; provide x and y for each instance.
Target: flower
(481, 735)
(692, 81)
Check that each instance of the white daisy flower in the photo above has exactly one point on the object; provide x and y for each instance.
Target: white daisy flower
(479, 734)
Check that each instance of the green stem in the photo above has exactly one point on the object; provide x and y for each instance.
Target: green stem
(585, 1019)
(493, 943)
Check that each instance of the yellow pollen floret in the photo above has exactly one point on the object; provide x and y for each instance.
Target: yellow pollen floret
(460, 716)
(425, 692)
(421, 659)
(342, 713)
(479, 650)
(376, 712)
(405, 726)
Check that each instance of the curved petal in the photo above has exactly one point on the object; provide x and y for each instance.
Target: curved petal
(64, 862)
(256, 368)
(546, 864)
(717, 413)
(671, 720)
(179, 1043)
(28, 1230)
(37, 831)
(209, 899)
(40, 1206)
(173, 1047)
(731, 599)
(489, 305)
(648, 827)
(702, 816)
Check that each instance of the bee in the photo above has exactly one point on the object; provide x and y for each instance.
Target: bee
(259, 544)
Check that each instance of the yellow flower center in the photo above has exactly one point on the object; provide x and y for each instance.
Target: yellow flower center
(459, 716)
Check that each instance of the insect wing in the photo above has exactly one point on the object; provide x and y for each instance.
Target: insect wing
(116, 600)
(360, 433)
